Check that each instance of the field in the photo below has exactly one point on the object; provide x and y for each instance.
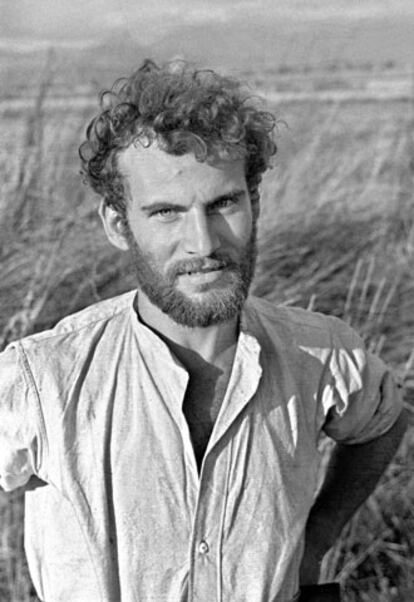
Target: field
(336, 235)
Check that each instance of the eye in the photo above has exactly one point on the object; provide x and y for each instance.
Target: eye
(223, 204)
(166, 214)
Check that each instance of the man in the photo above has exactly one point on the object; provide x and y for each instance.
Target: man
(176, 427)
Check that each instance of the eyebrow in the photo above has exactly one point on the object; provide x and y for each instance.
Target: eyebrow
(234, 195)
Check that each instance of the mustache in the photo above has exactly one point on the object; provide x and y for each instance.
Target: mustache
(201, 264)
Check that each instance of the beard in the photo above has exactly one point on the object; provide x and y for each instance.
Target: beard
(219, 304)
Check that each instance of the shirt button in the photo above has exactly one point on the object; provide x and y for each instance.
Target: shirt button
(203, 547)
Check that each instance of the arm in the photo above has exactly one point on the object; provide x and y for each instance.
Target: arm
(20, 422)
(352, 475)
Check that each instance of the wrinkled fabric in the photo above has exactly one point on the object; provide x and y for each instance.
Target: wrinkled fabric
(94, 409)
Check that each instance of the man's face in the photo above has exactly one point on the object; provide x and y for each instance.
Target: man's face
(190, 232)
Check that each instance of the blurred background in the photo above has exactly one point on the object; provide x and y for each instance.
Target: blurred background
(336, 233)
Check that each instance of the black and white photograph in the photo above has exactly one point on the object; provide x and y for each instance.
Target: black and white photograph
(207, 301)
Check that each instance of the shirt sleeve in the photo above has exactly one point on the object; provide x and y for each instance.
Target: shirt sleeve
(20, 423)
(361, 399)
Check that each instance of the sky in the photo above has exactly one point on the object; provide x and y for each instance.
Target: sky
(87, 21)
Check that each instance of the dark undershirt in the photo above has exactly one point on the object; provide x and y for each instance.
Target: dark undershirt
(202, 402)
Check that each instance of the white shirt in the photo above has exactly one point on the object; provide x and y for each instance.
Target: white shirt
(93, 408)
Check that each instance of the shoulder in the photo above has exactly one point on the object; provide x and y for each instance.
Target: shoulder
(302, 327)
(77, 328)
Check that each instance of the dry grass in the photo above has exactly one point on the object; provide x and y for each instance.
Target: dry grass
(337, 235)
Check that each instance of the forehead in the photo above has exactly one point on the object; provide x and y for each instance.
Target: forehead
(149, 171)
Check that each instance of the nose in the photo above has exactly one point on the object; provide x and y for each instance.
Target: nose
(201, 236)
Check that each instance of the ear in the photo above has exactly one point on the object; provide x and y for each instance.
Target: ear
(114, 226)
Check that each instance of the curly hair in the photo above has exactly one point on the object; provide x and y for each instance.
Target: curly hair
(184, 110)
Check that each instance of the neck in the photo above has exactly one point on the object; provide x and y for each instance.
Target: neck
(208, 344)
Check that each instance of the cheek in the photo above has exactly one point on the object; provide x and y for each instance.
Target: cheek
(239, 229)
(158, 247)
(150, 238)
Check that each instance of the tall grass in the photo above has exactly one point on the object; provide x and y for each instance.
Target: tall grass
(336, 235)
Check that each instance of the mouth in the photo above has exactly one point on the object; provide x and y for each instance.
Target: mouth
(202, 271)
(204, 276)
(202, 267)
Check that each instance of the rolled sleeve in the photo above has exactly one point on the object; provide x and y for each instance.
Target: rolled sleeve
(362, 400)
(20, 422)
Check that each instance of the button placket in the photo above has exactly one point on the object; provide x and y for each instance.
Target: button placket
(205, 578)
(205, 566)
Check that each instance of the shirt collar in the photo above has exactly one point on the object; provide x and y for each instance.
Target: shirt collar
(244, 379)
(148, 339)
